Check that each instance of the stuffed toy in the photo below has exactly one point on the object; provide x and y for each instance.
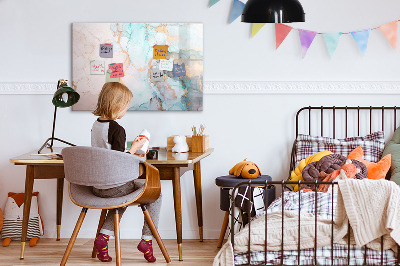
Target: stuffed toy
(13, 215)
(296, 174)
(245, 169)
(348, 170)
(375, 170)
(180, 144)
(328, 164)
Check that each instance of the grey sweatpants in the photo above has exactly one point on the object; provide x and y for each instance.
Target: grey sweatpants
(154, 208)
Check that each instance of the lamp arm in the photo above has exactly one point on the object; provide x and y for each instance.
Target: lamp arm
(54, 126)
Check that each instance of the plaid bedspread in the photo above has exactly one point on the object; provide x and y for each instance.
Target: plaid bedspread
(307, 202)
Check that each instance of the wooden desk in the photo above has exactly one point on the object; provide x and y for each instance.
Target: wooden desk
(171, 167)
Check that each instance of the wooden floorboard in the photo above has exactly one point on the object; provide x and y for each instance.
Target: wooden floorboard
(50, 252)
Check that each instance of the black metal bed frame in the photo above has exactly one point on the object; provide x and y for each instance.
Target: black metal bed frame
(283, 184)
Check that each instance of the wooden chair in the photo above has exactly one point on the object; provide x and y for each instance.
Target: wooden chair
(85, 167)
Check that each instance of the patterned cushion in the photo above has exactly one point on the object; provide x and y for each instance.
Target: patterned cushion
(372, 144)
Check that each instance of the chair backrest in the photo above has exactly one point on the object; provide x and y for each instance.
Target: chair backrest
(91, 166)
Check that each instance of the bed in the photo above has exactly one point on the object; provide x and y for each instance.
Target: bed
(298, 227)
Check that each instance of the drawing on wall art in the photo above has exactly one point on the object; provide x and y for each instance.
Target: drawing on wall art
(143, 56)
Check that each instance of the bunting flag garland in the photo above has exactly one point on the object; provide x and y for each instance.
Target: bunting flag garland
(361, 37)
(256, 27)
(213, 2)
(306, 39)
(237, 9)
(389, 30)
(281, 31)
(332, 41)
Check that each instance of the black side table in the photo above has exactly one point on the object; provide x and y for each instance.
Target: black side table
(226, 183)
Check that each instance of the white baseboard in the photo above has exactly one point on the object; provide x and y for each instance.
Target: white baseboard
(250, 87)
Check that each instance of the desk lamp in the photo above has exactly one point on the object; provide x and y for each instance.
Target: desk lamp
(273, 11)
(64, 97)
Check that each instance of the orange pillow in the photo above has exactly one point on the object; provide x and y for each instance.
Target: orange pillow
(375, 170)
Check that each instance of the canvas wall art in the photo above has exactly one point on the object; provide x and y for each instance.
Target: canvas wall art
(161, 63)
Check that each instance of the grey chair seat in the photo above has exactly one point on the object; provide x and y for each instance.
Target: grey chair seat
(83, 196)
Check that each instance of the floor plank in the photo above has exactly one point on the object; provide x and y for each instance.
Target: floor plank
(50, 252)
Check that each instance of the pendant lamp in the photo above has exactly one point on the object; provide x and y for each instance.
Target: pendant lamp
(63, 97)
(273, 11)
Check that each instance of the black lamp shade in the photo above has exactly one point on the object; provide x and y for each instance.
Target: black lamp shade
(73, 96)
(273, 11)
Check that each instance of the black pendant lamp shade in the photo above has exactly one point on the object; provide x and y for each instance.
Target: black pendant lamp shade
(273, 11)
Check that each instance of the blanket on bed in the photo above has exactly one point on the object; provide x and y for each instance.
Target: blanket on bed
(371, 206)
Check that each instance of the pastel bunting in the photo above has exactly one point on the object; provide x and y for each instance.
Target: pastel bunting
(281, 31)
(306, 39)
(389, 30)
(332, 41)
(213, 2)
(361, 37)
(237, 9)
(256, 27)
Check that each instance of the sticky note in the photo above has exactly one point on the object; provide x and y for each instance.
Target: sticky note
(160, 51)
(166, 64)
(179, 70)
(109, 79)
(156, 75)
(155, 63)
(117, 70)
(106, 50)
(97, 67)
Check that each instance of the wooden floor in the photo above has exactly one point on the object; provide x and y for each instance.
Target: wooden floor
(50, 252)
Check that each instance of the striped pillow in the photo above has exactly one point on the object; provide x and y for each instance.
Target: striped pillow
(372, 145)
(13, 228)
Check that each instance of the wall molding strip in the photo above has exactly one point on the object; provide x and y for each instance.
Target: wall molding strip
(251, 87)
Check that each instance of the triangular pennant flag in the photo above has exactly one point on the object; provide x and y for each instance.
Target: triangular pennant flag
(237, 9)
(390, 32)
(361, 37)
(213, 2)
(306, 39)
(281, 31)
(332, 41)
(256, 27)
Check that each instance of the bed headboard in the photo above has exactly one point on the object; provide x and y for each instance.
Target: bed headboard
(344, 121)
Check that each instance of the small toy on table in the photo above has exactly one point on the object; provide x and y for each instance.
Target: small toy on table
(180, 144)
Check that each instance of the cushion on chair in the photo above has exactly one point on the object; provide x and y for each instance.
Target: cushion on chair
(83, 196)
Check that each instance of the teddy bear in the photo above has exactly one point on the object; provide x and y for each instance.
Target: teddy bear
(13, 215)
(180, 144)
(245, 169)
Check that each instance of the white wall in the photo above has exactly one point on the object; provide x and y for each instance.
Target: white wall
(35, 46)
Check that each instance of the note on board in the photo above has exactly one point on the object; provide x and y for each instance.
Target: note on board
(106, 50)
(117, 70)
(97, 67)
(160, 51)
(156, 75)
(110, 79)
(179, 70)
(166, 64)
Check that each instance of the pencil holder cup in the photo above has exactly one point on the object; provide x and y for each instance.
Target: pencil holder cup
(200, 143)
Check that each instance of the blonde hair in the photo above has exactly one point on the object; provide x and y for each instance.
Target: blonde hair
(114, 96)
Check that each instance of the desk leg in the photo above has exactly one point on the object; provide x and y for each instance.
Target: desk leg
(176, 182)
(60, 190)
(27, 206)
(199, 204)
